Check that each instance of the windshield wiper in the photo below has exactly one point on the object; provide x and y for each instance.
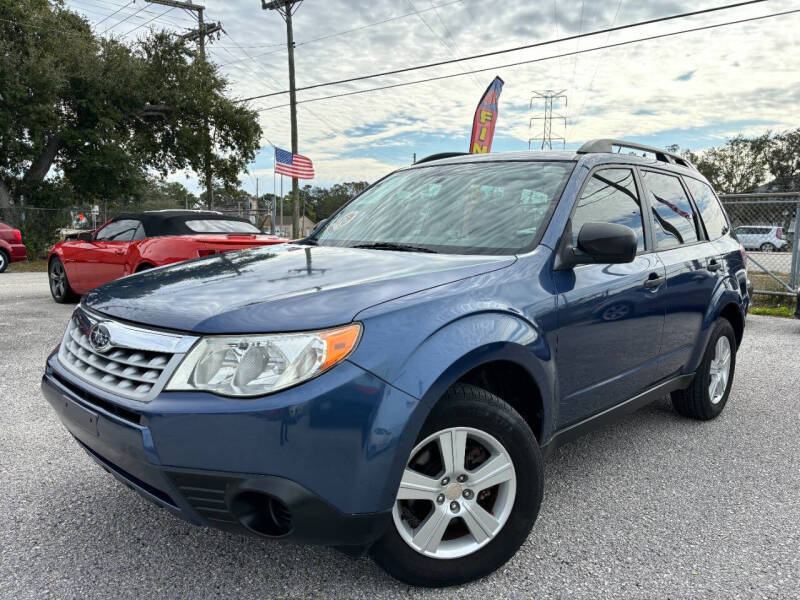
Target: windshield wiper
(391, 246)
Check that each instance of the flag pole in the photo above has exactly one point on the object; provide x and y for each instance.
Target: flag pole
(274, 196)
(282, 204)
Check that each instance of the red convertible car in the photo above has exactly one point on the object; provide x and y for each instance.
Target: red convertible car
(133, 242)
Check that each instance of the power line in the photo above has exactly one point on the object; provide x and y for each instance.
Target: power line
(148, 21)
(327, 124)
(354, 29)
(445, 45)
(542, 59)
(123, 20)
(597, 66)
(74, 6)
(282, 48)
(515, 49)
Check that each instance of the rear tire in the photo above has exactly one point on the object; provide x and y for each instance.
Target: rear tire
(4, 260)
(767, 247)
(59, 283)
(500, 515)
(705, 398)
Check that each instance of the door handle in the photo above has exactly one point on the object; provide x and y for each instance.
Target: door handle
(119, 251)
(713, 265)
(654, 281)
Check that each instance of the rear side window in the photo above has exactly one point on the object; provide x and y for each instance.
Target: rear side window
(610, 196)
(710, 210)
(673, 217)
(118, 231)
(221, 226)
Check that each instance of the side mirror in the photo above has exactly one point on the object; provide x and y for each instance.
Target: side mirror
(600, 243)
(85, 235)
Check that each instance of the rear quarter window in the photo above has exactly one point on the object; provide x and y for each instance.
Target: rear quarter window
(711, 211)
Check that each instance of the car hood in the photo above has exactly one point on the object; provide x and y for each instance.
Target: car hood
(278, 288)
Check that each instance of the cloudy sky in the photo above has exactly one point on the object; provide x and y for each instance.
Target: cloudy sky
(695, 89)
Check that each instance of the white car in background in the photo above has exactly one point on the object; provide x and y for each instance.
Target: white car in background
(766, 238)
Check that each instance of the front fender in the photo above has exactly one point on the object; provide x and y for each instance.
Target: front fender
(451, 352)
(463, 344)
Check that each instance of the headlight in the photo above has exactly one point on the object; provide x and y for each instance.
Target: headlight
(254, 365)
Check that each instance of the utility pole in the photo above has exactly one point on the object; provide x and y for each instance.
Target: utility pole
(550, 97)
(285, 8)
(199, 35)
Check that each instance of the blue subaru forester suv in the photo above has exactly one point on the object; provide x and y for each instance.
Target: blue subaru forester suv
(390, 383)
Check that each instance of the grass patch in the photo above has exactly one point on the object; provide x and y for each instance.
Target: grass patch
(28, 266)
(773, 311)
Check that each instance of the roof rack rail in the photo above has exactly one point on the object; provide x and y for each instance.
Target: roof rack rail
(440, 155)
(605, 145)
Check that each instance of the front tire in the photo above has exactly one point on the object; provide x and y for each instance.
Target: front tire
(59, 283)
(469, 496)
(708, 394)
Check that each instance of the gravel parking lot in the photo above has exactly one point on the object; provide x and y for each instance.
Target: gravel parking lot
(655, 507)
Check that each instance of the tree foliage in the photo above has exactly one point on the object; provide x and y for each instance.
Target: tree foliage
(743, 164)
(321, 202)
(104, 115)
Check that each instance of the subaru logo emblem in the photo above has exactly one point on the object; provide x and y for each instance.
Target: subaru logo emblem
(99, 337)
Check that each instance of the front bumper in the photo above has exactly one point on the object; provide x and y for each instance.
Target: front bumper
(330, 452)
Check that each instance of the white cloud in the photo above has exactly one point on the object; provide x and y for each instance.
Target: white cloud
(742, 78)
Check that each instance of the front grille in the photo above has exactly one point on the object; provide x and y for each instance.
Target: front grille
(130, 373)
(137, 363)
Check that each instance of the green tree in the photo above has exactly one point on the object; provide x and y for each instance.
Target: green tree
(161, 195)
(102, 114)
(737, 167)
(783, 156)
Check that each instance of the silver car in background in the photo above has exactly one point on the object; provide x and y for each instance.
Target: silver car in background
(766, 238)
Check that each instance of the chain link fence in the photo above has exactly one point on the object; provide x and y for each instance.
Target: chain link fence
(767, 225)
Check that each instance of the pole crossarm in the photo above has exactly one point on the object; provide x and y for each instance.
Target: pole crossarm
(176, 4)
(208, 29)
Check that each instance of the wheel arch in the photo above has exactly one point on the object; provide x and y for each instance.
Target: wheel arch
(143, 266)
(499, 352)
(727, 304)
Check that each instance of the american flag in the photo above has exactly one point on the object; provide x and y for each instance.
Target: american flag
(293, 165)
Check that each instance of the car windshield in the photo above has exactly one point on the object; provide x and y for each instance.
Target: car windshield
(221, 226)
(475, 208)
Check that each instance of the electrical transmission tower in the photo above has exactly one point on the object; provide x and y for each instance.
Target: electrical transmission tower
(199, 35)
(550, 97)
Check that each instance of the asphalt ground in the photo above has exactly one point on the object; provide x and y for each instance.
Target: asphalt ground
(656, 506)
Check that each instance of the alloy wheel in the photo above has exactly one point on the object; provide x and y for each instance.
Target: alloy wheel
(2, 262)
(719, 370)
(58, 279)
(456, 493)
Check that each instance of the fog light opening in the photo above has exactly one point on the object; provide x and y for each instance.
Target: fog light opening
(262, 514)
